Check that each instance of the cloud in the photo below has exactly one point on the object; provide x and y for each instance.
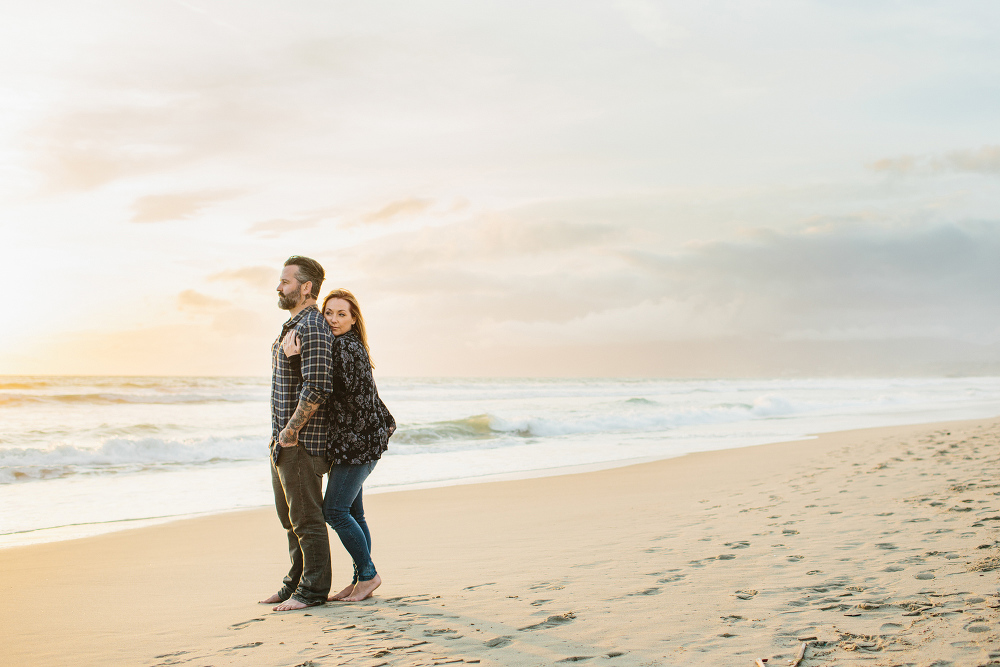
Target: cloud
(162, 112)
(176, 206)
(985, 160)
(196, 301)
(550, 283)
(487, 239)
(845, 282)
(261, 277)
(396, 209)
(86, 149)
(538, 269)
(272, 229)
(225, 317)
(646, 18)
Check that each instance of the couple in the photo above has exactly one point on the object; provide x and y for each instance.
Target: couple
(326, 417)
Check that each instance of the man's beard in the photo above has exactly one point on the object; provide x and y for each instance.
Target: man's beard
(288, 301)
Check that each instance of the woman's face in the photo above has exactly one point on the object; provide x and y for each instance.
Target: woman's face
(338, 314)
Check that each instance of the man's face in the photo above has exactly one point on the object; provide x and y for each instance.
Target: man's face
(290, 290)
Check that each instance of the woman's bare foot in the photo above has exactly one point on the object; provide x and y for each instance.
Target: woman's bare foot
(291, 604)
(274, 599)
(364, 589)
(342, 594)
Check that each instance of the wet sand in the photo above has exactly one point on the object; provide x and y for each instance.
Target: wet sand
(874, 547)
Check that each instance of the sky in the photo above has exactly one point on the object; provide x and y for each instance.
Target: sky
(560, 188)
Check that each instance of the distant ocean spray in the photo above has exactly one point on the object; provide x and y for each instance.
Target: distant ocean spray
(81, 455)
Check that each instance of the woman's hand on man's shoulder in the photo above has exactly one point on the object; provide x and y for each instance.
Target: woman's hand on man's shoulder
(292, 344)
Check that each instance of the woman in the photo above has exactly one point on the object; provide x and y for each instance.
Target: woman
(360, 426)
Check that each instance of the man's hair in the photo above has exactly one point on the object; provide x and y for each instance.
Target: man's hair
(308, 270)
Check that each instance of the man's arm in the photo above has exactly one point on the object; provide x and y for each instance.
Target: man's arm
(316, 386)
(289, 436)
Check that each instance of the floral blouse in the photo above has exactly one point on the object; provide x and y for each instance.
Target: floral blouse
(359, 423)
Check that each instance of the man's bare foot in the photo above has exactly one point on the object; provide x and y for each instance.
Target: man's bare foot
(342, 594)
(364, 589)
(291, 604)
(272, 600)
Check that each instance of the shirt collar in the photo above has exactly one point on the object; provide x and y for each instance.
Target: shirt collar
(292, 321)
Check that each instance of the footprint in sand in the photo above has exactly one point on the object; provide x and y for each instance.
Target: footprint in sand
(439, 631)
(746, 594)
(474, 587)
(548, 586)
(250, 645)
(925, 575)
(498, 642)
(238, 626)
(550, 622)
(648, 591)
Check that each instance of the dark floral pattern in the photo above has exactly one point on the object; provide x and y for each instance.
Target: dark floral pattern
(359, 422)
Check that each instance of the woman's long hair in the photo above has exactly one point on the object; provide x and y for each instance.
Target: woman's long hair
(359, 320)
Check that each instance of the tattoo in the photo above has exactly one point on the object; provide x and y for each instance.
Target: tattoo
(302, 413)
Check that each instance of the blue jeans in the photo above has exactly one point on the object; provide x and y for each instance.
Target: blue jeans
(344, 511)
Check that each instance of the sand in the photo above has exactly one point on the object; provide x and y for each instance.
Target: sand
(874, 547)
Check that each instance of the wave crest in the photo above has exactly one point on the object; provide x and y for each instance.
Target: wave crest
(123, 454)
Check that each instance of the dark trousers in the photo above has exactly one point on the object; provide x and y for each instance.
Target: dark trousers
(297, 480)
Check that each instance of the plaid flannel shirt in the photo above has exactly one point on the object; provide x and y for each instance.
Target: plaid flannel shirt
(313, 384)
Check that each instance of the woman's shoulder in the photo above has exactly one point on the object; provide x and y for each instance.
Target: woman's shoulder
(350, 343)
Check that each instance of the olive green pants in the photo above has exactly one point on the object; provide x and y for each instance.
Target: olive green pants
(297, 480)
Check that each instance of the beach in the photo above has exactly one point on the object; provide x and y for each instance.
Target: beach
(877, 546)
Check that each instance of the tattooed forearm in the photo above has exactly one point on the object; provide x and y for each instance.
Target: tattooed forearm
(302, 413)
(289, 436)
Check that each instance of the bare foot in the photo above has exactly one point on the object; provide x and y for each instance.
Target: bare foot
(342, 594)
(364, 589)
(271, 600)
(291, 604)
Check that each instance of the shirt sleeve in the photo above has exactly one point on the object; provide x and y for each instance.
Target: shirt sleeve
(315, 363)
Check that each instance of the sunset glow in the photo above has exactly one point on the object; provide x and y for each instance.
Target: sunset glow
(632, 188)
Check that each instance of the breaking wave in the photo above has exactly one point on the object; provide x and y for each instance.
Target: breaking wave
(124, 455)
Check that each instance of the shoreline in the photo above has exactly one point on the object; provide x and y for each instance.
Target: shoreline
(878, 542)
(79, 531)
(95, 484)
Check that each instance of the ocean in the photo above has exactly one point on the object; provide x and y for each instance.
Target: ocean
(86, 455)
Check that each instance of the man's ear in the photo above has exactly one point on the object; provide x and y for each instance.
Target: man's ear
(309, 287)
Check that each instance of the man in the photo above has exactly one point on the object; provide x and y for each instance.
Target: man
(298, 437)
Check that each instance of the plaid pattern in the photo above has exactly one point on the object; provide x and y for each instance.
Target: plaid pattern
(313, 383)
